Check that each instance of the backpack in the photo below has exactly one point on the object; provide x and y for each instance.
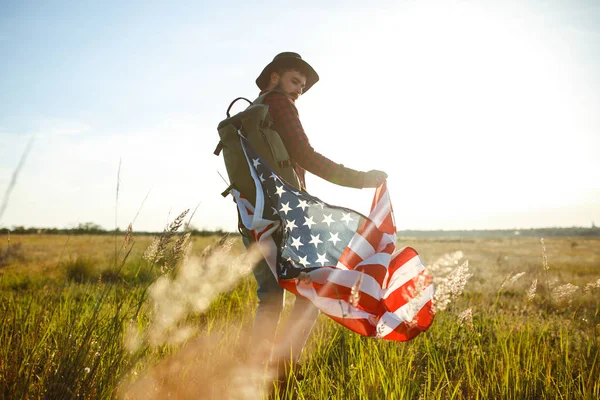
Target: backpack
(254, 123)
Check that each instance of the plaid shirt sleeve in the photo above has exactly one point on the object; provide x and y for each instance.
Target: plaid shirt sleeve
(286, 122)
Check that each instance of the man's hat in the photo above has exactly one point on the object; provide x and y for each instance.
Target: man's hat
(288, 60)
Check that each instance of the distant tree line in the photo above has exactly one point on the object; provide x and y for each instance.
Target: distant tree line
(531, 232)
(90, 228)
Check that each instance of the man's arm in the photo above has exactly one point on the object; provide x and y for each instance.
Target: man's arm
(287, 124)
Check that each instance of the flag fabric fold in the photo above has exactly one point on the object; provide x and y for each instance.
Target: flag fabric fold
(345, 263)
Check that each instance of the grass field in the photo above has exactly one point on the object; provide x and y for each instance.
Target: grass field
(99, 317)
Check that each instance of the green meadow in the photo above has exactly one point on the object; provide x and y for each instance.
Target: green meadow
(98, 316)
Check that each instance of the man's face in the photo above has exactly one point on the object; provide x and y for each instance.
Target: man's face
(290, 82)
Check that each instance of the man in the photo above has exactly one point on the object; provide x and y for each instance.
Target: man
(290, 76)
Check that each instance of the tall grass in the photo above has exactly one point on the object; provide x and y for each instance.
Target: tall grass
(185, 335)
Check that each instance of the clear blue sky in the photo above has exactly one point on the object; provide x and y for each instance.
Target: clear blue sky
(484, 114)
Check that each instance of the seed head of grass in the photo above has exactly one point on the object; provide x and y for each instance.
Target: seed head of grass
(564, 292)
(510, 279)
(532, 290)
(544, 255)
(355, 291)
(155, 253)
(128, 236)
(191, 290)
(445, 264)
(591, 285)
(466, 318)
(451, 286)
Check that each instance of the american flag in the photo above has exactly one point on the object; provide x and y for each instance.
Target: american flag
(345, 263)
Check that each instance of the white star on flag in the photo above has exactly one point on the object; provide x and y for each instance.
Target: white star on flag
(347, 218)
(280, 191)
(261, 178)
(334, 238)
(322, 259)
(309, 221)
(315, 240)
(290, 225)
(303, 204)
(256, 162)
(297, 243)
(285, 207)
(303, 261)
(328, 220)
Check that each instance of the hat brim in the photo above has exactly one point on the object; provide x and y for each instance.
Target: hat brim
(288, 62)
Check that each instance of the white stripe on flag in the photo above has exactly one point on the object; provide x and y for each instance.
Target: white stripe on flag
(334, 307)
(408, 311)
(361, 246)
(405, 273)
(381, 210)
(341, 266)
(349, 278)
(390, 321)
(377, 258)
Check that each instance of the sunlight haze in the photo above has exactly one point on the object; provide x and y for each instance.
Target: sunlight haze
(483, 114)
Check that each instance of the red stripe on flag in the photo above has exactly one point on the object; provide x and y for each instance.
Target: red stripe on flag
(408, 291)
(379, 192)
(399, 260)
(377, 271)
(349, 258)
(388, 226)
(362, 326)
(338, 292)
(389, 248)
(369, 231)
(408, 330)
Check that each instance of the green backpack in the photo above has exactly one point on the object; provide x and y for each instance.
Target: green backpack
(254, 124)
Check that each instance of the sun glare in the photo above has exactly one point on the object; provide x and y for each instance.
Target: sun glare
(463, 104)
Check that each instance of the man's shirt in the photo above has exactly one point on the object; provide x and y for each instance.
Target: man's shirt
(286, 122)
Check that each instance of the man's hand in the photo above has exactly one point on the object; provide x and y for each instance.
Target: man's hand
(373, 178)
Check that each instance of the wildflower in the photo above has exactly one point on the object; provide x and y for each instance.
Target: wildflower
(86, 370)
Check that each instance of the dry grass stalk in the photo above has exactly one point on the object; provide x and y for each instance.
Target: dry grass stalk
(355, 291)
(156, 252)
(532, 290)
(510, 279)
(197, 282)
(451, 286)
(544, 255)
(564, 292)
(466, 318)
(128, 236)
(592, 285)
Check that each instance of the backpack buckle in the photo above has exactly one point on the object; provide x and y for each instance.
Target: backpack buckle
(285, 164)
(228, 190)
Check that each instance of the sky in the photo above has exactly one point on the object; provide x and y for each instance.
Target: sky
(484, 114)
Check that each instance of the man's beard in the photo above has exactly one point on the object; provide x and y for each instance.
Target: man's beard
(288, 95)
